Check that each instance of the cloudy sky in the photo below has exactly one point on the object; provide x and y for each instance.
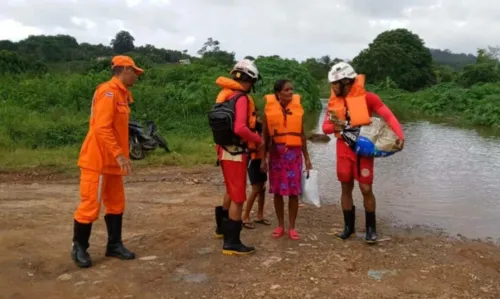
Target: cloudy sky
(291, 28)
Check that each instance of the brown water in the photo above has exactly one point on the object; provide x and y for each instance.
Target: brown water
(446, 178)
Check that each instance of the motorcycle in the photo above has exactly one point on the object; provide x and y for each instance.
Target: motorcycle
(143, 141)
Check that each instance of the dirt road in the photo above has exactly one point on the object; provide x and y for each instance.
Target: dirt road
(169, 224)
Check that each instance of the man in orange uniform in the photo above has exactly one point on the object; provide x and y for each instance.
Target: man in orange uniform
(103, 161)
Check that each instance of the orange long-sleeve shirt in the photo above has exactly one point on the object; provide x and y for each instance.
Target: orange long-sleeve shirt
(107, 137)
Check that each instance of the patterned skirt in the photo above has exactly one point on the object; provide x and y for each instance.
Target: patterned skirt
(285, 170)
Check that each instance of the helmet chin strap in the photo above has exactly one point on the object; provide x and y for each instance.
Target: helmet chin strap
(343, 89)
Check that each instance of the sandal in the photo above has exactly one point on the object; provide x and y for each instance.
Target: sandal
(293, 234)
(248, 225)
(278, 232)
(262, 221)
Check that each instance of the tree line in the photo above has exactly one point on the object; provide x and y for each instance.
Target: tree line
(395, 59)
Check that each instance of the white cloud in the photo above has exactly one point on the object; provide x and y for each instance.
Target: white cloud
(293, 28)
(189, 40)
(16, 30)
(132, 3)
(86, 24)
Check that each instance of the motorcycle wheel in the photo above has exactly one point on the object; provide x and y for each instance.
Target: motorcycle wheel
(135, 149)
(161, 142)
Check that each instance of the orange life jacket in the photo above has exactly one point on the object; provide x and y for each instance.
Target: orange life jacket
(284, 124)
(253, 149)
(354, 103)
(229, 87)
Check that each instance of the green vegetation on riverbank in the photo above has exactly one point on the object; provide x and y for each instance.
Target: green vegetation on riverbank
(450, 102)
(475, 106)
(46, 85)
(51, 111)
(44, 116)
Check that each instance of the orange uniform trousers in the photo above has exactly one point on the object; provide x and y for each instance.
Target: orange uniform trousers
(97, 188)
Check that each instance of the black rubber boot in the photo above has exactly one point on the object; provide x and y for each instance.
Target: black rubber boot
(115, 246)
(349, 224)
(371, 228)
(232, 243)
(219, 215)
(81, 236)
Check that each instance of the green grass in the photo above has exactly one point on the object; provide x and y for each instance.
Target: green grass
(60, 159)
(44, 118)
(185, 152)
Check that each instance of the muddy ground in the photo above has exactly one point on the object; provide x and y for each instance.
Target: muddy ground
(169, 224)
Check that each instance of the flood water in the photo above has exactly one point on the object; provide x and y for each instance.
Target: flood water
(446, 178)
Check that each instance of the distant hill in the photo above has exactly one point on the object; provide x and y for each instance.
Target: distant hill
(65, 48)
(50, 49)
(455, 60)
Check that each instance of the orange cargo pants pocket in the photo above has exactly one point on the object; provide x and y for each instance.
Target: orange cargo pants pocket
(96, 188)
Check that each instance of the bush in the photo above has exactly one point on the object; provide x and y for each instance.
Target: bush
(478, 105)
(52, 110)
(12, 63)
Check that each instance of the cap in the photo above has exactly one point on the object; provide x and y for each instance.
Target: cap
(122, 60)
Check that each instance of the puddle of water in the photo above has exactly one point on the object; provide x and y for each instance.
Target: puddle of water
(182, 274)
(205, 250)
(379, 274)
(191, 277)
(195, 277)
(445, 177)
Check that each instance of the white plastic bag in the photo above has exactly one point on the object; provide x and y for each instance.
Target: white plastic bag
(310, 193)
(380, 134)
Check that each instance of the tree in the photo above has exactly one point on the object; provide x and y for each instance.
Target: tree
(400, 55)
(319, 67)
(444, 73)
(447, 57)
(274, 68)
(13, 63)
(123, 42)
(484, 70)
(7, 45)
(220, 57)
(80, 57)
(489, 55)
(326, 60)
(210, 45)
(212, 54)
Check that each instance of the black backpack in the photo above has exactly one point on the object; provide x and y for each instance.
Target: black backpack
(221, 120)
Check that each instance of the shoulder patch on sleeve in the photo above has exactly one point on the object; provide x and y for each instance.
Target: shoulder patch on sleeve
(109, 94)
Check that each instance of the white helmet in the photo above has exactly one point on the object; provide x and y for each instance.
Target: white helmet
(341, 71)
(248, 67)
